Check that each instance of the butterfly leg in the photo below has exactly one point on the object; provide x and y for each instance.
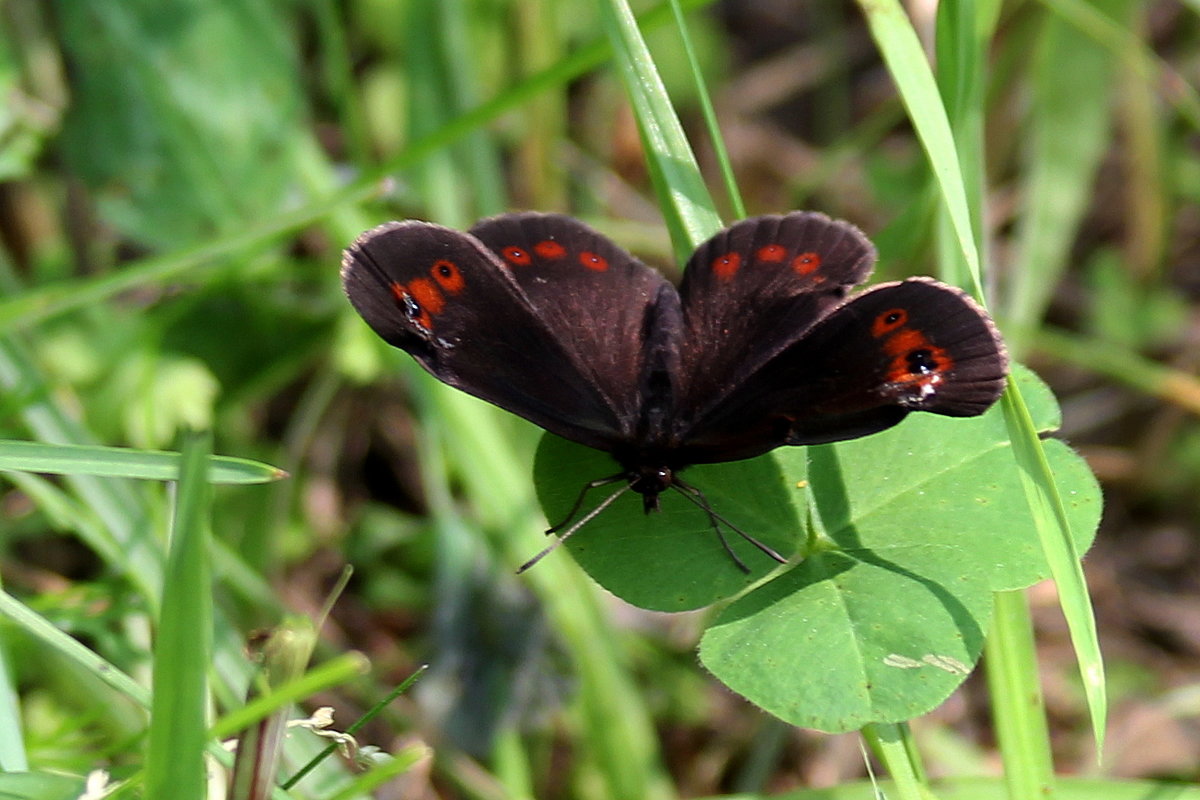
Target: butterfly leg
(697, 497)
(585, 519)
(587, 487)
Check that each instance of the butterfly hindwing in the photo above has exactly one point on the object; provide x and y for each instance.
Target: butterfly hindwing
(755, 288)
(916, 345)
(443, 297)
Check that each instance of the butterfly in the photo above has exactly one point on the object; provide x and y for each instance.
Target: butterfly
(760, 346)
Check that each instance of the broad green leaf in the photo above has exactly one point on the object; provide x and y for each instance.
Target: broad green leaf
(850, 637)
(915, 528)
(671, 560)
(913, 484)
(919, 526)
(953, 482)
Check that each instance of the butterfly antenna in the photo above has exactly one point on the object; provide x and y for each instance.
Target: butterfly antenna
(585, 519)
(697, 497)
(587, 487)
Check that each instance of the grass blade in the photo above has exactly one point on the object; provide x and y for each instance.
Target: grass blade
(122, 462)
(1071, 100)
(687, 206)
(1021, 727)
(183, 650)
(906, 61)
(710, 115)
(67, 646)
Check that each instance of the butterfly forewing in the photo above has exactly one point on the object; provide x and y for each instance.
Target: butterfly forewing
(442, 296)
(917, 345)
(602, 303)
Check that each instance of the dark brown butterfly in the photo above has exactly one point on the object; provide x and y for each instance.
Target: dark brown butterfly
(759, 346)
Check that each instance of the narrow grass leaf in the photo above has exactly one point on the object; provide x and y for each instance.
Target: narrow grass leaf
(183, 647)
(686, 205)
(13, 756)
(121, 462)
(123, 513)
(906, 61)
(710, 115)
(331, 673)
(964, 32)
(1020, 719)
(1071, 82)
(397, 764)
(1054, 530)
(67, 646)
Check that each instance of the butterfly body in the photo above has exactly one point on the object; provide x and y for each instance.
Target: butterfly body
(759, 347)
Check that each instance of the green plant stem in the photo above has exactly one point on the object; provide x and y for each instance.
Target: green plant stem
(1017, 709)
(892, 744)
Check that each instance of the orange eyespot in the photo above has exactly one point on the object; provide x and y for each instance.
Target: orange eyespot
(889, 321)
(447, 276)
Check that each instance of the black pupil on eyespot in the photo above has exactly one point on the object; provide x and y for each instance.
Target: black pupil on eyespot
(444, 271)
(921, 361)
(892, 318)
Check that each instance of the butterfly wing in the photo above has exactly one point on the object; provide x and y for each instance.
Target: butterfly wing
(917, 345)
(616, 316)
(752, 291)
(444, 298)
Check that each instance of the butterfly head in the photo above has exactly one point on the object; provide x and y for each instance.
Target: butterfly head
(650, 481)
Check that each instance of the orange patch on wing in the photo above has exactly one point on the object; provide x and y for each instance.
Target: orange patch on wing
(905, 341)
(517, 255)
(726, 266)
(593, 261)
(806, 263)
(549, 249)
(426, 295)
